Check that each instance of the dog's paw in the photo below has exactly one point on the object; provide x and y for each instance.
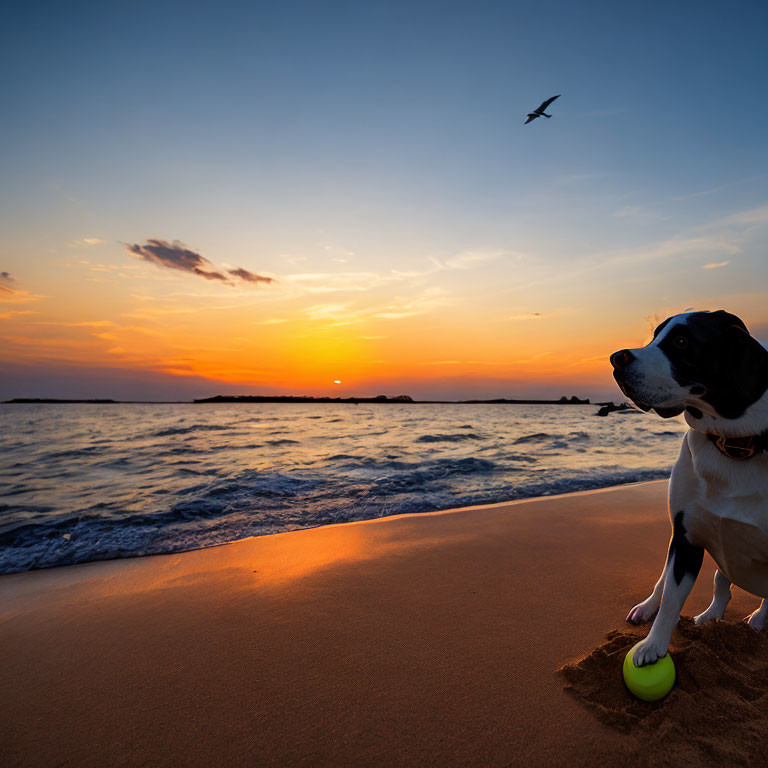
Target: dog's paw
(648, 651)
(708, 615)
(643, 612)
(756, 619)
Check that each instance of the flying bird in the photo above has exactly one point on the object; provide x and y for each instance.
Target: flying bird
(539, 111)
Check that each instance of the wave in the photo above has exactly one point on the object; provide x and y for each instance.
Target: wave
(439, 470)
(447, 438)
(537, 437)
(170, 431)
(207, 520)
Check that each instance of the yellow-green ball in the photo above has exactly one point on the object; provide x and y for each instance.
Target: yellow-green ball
(651, 682)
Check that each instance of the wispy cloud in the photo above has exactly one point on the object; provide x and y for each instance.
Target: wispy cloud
(322, 311)
(331, 282)
(716, 265)
(15, 313)
(718, 188)
(176, 255)
(249, 277)
(470, 259)
(328, 282)
(752, 216)
(430, 299)
(347, 313)
(86, 242)
(16, 295)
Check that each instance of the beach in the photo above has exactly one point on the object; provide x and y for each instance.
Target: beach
(430, 639)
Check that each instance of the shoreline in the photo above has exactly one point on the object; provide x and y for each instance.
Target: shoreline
(504, 502)
(418, 639)
(497, 505)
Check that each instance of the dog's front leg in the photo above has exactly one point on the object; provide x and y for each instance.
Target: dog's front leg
(683, 564)
(645, 611)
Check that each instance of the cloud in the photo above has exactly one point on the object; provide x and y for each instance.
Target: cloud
(328, 282)
(757, 215)
(15, 295)
(468, 259)
(716, 265)
(719, 188)
(250, 277)
(86, 242)
(358, 281)
(6, 277)
(528, 316)
(347, 313)
(430, 299)
(176, 255)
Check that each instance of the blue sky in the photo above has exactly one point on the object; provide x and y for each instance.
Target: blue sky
(367, 137)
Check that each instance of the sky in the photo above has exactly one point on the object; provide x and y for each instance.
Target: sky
(340, 198)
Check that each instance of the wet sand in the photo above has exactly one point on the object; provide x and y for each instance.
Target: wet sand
(422, 640)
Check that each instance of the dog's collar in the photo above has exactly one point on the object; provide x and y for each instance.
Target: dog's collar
(739, 448)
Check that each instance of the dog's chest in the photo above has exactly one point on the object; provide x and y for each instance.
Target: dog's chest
(738, 546)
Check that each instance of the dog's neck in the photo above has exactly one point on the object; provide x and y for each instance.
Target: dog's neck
(752, 423)
(738, 439)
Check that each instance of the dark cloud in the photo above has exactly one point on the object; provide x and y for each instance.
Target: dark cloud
(175, 256)
(6, 277)
(250, 277)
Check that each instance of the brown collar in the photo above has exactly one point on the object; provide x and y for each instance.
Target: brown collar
(737, 448)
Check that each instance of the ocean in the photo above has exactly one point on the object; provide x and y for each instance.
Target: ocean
(82, 482)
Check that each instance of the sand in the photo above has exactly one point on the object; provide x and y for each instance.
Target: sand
(463, 638)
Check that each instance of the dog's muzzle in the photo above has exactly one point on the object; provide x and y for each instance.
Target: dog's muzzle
(620, 361)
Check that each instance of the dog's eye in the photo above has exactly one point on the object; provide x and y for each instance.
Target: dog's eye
(681, 342)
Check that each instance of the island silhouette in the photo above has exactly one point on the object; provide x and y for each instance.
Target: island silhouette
(396, 399)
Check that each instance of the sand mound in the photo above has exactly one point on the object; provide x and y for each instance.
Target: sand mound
(718, 710)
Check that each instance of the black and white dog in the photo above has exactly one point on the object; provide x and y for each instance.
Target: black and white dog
(707, 365)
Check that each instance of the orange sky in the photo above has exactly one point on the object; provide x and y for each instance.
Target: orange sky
(476, 324)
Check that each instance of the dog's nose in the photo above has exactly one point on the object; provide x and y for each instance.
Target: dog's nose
(621, 359)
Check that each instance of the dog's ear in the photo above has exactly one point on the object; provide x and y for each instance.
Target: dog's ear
(745, 363)
(730, 320)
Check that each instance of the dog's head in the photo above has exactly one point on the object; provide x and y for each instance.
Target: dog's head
(704, 363)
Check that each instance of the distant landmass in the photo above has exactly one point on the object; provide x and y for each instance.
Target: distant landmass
(573, 400)
(54, 400)
(94, 401)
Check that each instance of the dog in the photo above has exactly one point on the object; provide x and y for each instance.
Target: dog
(707, 366)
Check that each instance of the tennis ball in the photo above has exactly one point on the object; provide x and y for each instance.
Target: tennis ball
(651, 682)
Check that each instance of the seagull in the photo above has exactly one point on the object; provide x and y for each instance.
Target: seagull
(539, 111)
